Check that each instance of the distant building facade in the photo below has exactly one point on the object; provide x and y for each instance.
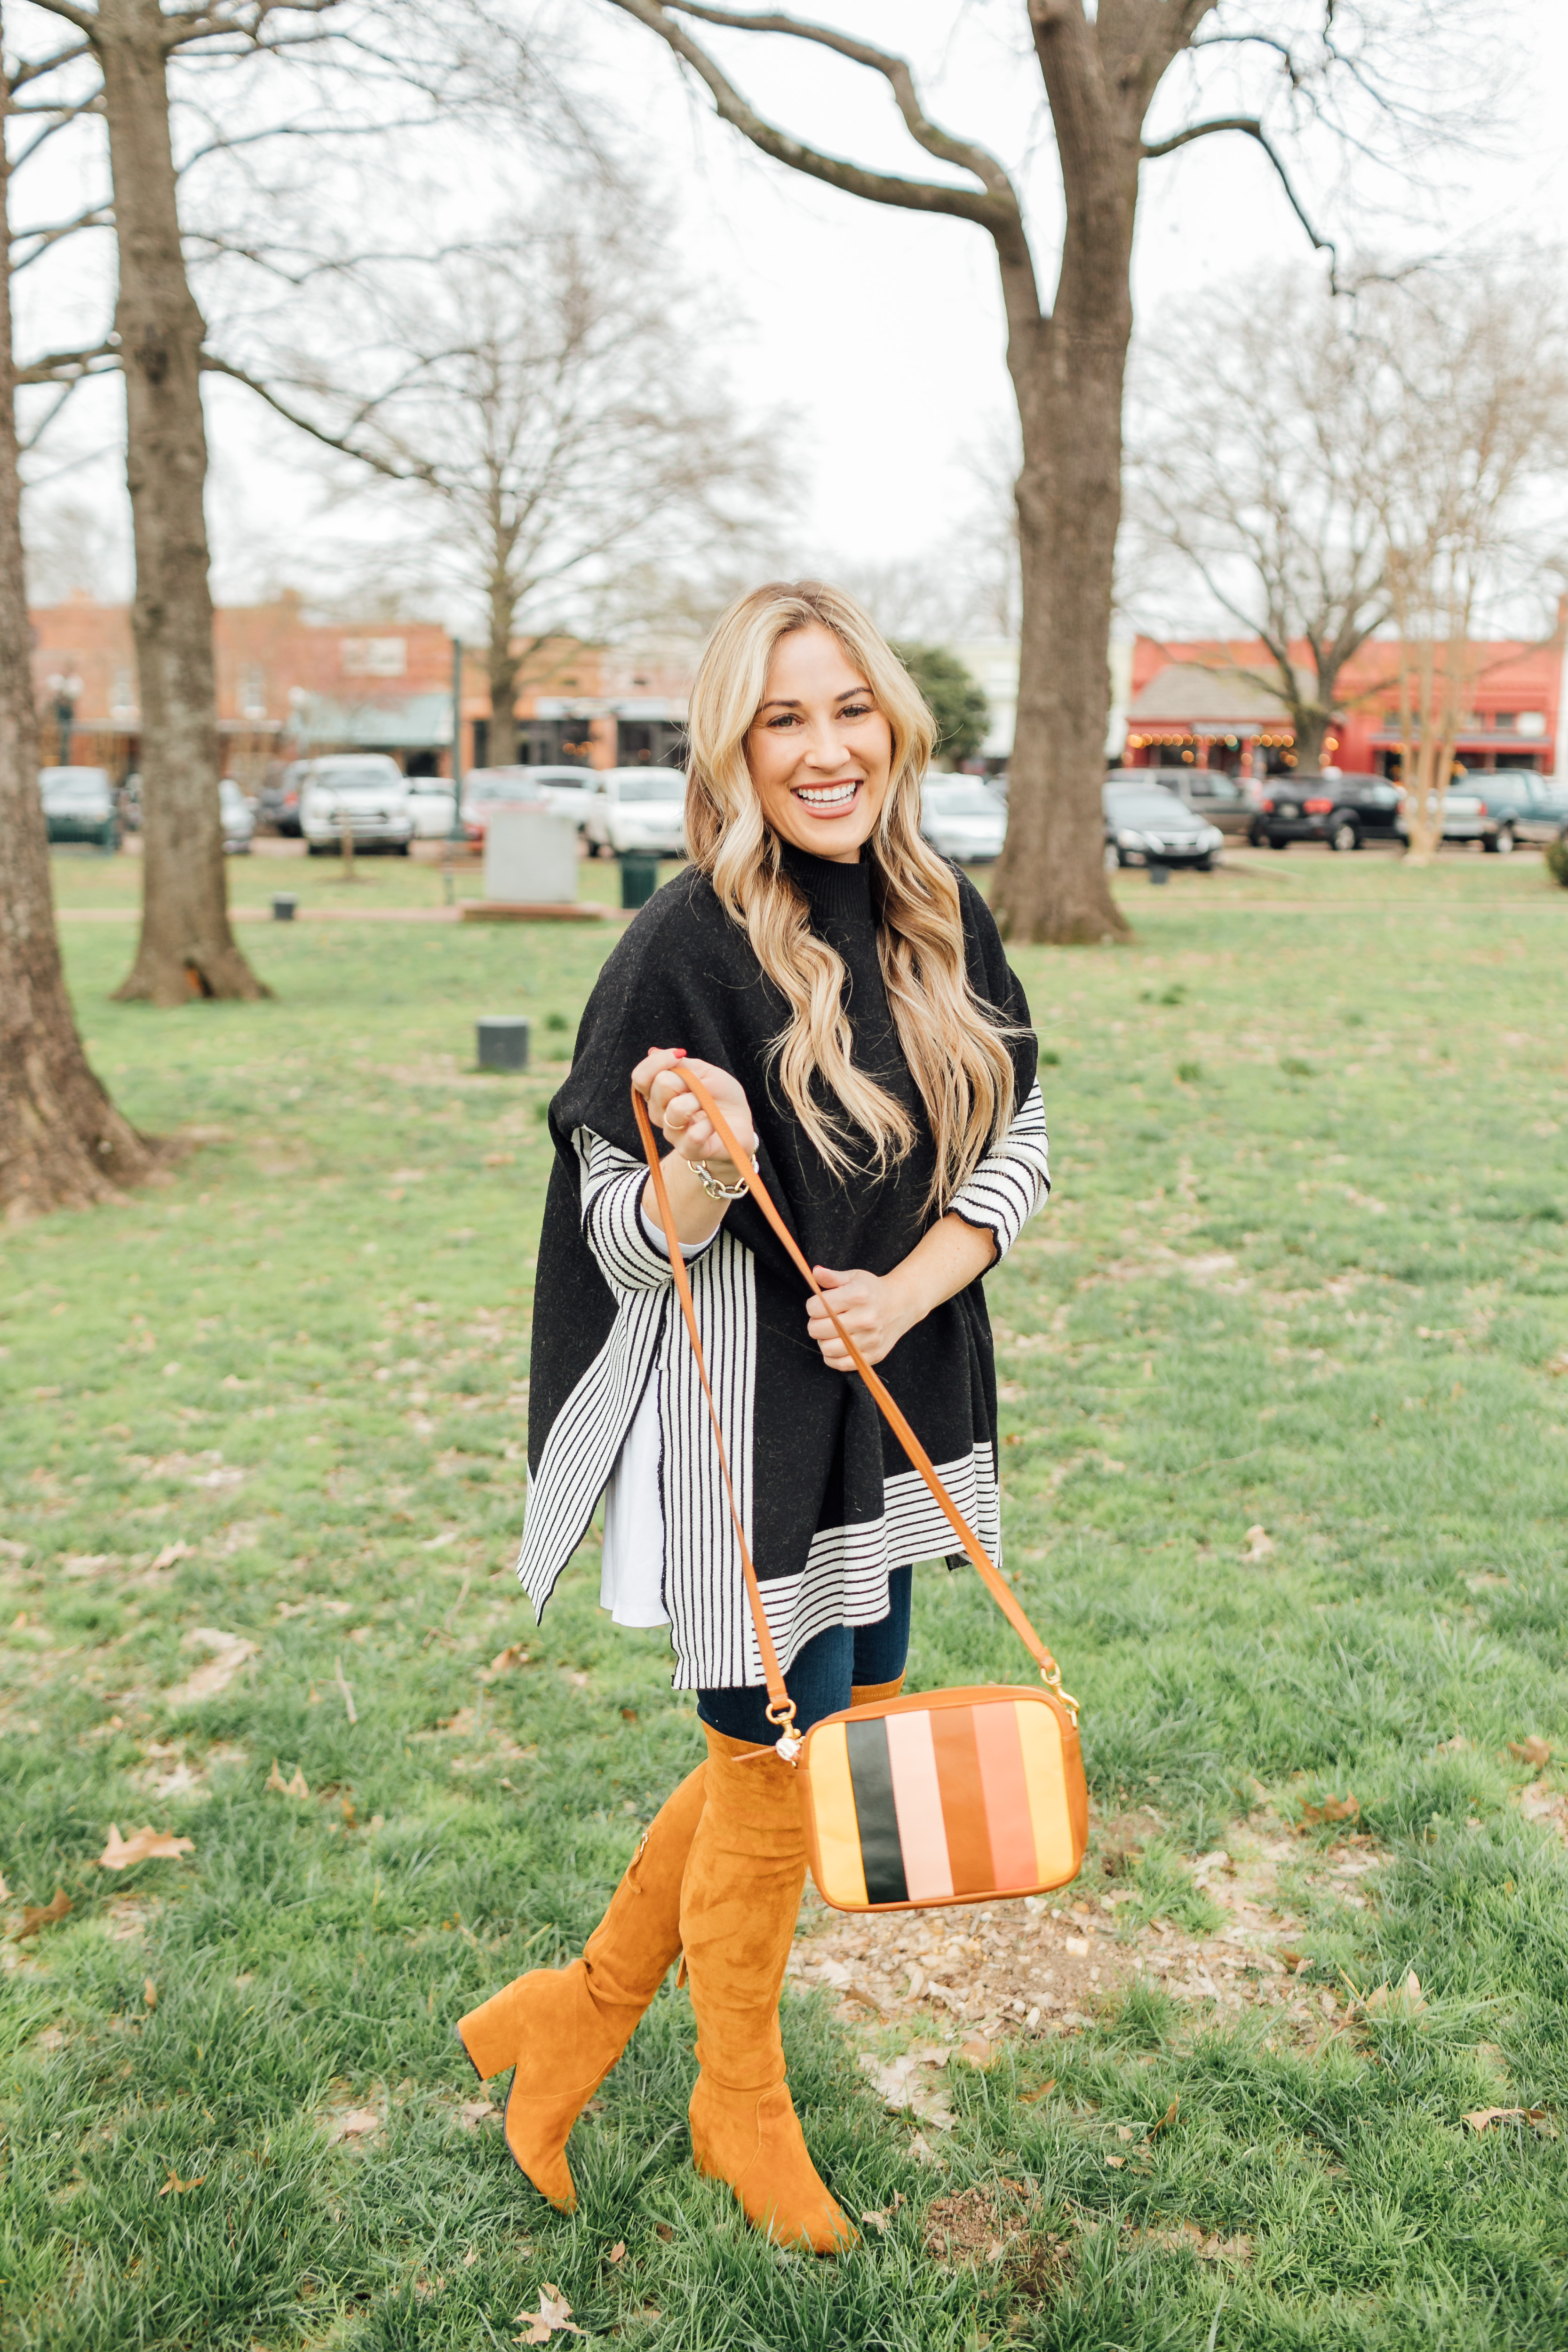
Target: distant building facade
(1203, 703)
(292, 685)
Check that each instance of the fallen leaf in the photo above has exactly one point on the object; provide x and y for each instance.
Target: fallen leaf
(1258, 1545)
(145, 1844)
(1116, 2162)
(1534, 1751)
(149, 1993)
(977, 2050)
(475, 2112)
(1186, 2237)
(297, 1787)
(52, 2038)
(514, 1654)
(883, 2220)
(231, 1651)
(1397, 2000)
(4, 1890)
(1124, 2131)
(617, 2253)
(905, 2082)
(1167, 2119)
(37, 1916)
(1481, 2119)
(175, 2187)
(170, 1553)
(357, 2123)
(1333, 1809)
(1027, 2098)
(553, 2313)
(1541, 1803)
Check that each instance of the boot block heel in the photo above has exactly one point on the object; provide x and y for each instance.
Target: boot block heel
(491, 2034)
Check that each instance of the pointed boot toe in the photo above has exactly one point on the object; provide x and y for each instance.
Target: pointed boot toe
(537, 2130)
(753, 2140)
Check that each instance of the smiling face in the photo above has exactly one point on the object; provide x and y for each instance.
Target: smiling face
(820, 749)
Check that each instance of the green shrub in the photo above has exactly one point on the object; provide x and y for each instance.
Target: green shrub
(1557, 861)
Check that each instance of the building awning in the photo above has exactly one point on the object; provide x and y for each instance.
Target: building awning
(1206, 701)
(414, 722)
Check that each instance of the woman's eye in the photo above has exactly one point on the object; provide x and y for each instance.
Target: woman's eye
(855, 711)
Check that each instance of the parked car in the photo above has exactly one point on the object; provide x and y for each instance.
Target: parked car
(565, 791)
(963, 818)
(128, 804)
(637, 809)
(1343, 810)
(1147, 825)
(1209, 793)
(430, 799)
(1519, 805)
(367, 789)
(278, 805)
(238, 816)
(79, 805)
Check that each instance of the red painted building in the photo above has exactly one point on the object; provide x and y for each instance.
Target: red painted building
(1203, 703)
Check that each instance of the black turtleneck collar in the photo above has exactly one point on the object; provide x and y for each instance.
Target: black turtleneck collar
(834, 892)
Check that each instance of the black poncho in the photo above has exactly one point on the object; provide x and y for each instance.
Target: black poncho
(830, 1502)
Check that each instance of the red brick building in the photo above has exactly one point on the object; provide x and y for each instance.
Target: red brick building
(1199, 703)
(290, 684)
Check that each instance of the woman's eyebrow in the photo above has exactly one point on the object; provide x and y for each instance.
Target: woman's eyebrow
(789, 702)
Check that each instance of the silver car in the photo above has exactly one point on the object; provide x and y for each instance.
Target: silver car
(1146, 825)
(637, 809)
(365, 792)
(962, 819)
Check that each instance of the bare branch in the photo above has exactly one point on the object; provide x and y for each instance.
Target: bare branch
(42, 66)
(1251, 128)
(69, 367)
(999, 216)
(83, 19)
(97, 216)
(966, 153)
(213, 366)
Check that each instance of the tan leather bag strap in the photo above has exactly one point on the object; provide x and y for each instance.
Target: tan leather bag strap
(781, 1708)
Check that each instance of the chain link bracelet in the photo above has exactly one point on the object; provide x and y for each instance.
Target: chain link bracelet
(711, 1184)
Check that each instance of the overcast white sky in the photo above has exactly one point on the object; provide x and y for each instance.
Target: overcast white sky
(877, 333)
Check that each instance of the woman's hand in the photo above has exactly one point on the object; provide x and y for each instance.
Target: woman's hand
(676, 1111)
(877, 1309)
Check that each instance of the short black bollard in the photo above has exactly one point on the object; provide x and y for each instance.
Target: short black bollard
(1158, 874)
(639, 880)
(283, 904)
(504, 1041)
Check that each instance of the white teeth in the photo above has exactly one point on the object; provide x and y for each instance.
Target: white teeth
(826, 795)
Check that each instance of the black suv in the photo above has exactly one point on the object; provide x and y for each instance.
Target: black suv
(1343, 811)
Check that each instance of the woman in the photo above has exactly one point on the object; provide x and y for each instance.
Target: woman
(844, 992)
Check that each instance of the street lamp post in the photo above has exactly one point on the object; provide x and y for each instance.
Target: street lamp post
(456, 833)
(67, 690)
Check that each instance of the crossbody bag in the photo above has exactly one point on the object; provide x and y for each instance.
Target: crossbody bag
(936, 1797)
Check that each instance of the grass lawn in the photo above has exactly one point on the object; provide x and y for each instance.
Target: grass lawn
(1286, 1407)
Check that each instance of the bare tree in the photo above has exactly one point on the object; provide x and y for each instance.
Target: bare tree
(1100, 68)
(539, 402)
(1465, 429)
(62, 1142)
(1250, 469)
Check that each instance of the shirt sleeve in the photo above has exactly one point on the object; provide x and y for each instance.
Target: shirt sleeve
(629, 1253)
(1012, 1181)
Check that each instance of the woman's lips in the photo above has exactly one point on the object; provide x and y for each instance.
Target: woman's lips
(829, 799)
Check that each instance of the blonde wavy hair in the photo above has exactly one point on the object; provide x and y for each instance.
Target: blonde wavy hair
(954, 1041)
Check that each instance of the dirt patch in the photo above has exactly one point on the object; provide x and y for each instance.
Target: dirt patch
(1048, 1965)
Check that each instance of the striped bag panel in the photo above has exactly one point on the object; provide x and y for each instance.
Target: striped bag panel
(943, 1797)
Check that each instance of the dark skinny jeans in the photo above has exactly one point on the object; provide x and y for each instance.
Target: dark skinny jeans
(819, 1680)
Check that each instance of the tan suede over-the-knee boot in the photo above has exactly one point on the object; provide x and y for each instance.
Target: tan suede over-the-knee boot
(865, 1694)
(562, 2029)
(738, 1906)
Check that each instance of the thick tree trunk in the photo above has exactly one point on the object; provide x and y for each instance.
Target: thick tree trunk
(1309, 727)
(186, 946)
(62, 1142)
(1067, 371)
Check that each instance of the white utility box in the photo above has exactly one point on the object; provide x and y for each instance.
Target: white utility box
(530, 856)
